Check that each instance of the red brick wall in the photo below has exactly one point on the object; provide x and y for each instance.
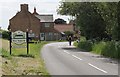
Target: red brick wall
(47, 29)
(24, 20)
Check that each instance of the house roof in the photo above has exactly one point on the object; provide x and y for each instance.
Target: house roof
(63, 27)
(45, 18)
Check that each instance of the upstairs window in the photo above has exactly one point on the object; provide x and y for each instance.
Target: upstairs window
(47, 25)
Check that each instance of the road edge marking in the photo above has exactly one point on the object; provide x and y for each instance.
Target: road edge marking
(97, 68)
(76, 57)
(66, 52)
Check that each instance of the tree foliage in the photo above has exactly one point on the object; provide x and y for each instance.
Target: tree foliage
(59, 21)
(96, 20)
(117, 28)
(5, 35)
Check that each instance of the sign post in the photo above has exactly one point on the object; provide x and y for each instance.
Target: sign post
(27, 42)
(18, 38)
(10, 42)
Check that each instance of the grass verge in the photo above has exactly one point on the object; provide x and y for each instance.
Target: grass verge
(109, 49)
(19, 63)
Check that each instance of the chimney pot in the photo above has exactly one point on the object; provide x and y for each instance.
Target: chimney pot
(24, 7)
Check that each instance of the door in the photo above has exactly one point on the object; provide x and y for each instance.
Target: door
(42, 36)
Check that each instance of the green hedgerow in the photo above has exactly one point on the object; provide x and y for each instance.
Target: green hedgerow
(85, 45)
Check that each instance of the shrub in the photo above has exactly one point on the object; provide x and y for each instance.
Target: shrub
(111, 49)
(98, 47)
(108, 49)
(5, 35)
(75, 43)
(85, 45)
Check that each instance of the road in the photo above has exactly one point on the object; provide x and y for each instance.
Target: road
(62, 59)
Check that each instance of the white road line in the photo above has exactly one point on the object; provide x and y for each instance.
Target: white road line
(76, 57)
(97, 68)
(66, 52)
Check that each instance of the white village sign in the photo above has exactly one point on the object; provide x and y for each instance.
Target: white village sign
(19, 37)
(19, 40)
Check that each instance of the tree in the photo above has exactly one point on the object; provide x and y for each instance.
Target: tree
(69, 33)
(59, 21)
(90, 22)
(108, 11)
(117, 28)
(5, 35)
(96, 20)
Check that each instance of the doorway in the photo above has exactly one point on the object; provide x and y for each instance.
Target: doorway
(42, 36)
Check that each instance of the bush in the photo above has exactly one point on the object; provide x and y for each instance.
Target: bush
(108, 49)
(98, 47)
(5, 35)
(111, 49)
(75, 43)
(85, 45)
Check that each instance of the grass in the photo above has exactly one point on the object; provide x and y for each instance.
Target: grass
(98, 47)
(5, 44)
(34, 52)
(5, 54)
(109, 49)
(34, 49)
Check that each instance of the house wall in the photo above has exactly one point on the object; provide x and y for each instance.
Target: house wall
(52, 36)
(47, 29)
(24, 20)
(50, 33)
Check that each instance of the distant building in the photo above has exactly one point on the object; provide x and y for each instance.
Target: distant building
(63, 27)
(47, 31)
(42, 26)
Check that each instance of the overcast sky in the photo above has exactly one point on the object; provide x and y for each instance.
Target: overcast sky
(8, 9)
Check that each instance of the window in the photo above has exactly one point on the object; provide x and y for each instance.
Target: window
(47, 25)
(55, 33)
(50, 33)
(42, 34)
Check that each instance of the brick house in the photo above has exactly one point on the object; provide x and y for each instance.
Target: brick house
(42, 26)
(24, 20)
(62, 28)
(47, 31)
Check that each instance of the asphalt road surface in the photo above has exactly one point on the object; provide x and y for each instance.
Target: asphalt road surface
(62, 59)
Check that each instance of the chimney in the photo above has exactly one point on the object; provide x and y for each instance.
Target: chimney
(35, 12)
(24, 7)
